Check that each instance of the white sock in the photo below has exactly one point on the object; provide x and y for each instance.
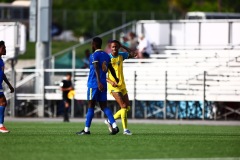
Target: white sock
(114, 125)
(1, 125)
(86, 129)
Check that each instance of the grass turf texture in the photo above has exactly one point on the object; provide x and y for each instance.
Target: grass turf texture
(57, 46)
(58, 141)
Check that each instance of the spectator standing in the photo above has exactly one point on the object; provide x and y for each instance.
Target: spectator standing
(144, 47)
(132, 41)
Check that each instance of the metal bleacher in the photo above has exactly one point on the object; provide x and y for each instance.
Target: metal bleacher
(182, 75)
(187, 75)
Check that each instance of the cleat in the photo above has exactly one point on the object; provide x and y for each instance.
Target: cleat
(4, 130)
(114, 131)
(83, 133)
(127, 132)
(109, 125)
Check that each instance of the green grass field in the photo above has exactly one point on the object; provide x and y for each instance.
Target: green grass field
(56, 46)
(58, 141)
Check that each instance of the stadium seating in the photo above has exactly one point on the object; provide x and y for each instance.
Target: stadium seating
(182, 75)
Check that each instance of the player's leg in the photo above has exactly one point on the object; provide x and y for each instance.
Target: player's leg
(89, 117)
(108, 112)
(126, 100)
(120, 99)
(3, 104)
(67, 104)
(117, 115)
(92, 95)
(114, 128)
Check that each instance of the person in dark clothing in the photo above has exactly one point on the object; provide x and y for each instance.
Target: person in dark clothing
(66, 86)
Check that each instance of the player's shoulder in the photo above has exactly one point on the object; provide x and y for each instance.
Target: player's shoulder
(99, 51)
(124, 54)
(105, 55)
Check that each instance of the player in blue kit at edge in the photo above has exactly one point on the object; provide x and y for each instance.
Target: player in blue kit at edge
(3, 102)
(99, 62)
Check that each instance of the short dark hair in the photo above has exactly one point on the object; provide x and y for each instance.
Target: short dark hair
(98, 42)
(2, 43)
(116, 41)
(69, 74)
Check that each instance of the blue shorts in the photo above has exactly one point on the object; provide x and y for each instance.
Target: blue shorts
(96, 94)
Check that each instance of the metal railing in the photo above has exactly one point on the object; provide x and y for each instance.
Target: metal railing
(72, 49)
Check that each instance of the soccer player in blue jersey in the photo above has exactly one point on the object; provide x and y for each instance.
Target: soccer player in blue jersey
(99, 62)
(3, 102)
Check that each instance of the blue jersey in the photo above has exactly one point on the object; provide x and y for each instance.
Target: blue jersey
(103, 60)
(1, 74)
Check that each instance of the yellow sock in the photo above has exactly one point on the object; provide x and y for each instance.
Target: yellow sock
(117, 115)
(124, 117)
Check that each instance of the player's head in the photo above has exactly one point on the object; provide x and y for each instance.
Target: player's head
(2, 48)
(115, 46)
(68, 76)
(96, 43)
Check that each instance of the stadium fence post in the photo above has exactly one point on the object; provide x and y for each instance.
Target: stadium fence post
(134, 26)
(204, 94)
(114, 34)
(41, 112)
(13, 79)
(165, 97)
(134, 95)
(73, 77)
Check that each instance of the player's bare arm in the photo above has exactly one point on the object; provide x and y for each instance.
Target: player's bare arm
(67, 89)
(8, 83)
(131, 52)
(97, 72)
(113, 83)
(110, 67)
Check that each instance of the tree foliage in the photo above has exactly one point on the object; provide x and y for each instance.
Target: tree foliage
(181, 6)
(89, 17)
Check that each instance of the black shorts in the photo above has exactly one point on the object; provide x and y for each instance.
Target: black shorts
(145, 55)
(67, 101)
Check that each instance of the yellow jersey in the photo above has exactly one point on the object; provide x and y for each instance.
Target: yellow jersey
(117, 63)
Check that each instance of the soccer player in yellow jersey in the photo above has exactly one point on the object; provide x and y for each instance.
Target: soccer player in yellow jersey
(118, 90)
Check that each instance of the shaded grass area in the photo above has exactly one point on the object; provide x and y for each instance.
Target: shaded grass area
(58, 141)
(57, 46)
